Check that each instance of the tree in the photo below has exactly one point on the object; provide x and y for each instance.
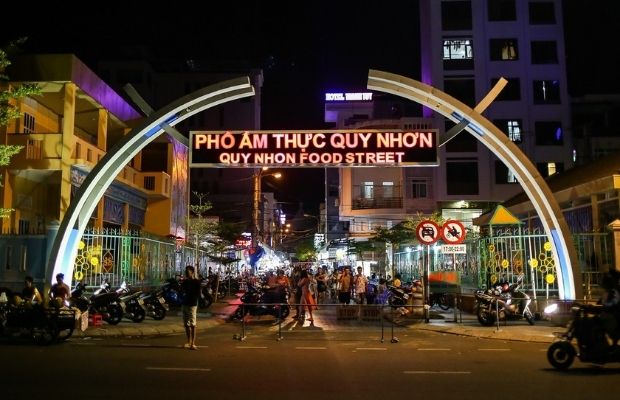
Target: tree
(305, 250)
(8, 109)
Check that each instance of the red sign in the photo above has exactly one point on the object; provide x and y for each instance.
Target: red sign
(453, 232)
(427, 232)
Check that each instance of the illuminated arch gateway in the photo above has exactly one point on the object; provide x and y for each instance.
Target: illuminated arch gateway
(569, 277)
(65, 246)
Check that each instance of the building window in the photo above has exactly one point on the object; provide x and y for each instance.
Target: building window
(456, 15)
(511, 127)
(419, 188)
(367, 189)
(462, 177)
(542, 13)
(549, 168)
(546, 92)
(504, 49)
(544, 52)
(28, 123)
(458, 54)
(502, 10)
(503, 174)
(461, 89)
(549, 133)
(511, 92)
(388, 189)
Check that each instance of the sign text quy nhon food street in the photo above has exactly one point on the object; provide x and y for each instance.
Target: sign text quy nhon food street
(313, 148)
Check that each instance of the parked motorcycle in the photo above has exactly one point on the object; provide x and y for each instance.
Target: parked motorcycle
(504, 302)
(587, 329)
(155, 304)
(101, 302)
(134, 306)
(258, 301)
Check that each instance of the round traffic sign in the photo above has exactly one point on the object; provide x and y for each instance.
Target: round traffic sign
(453, 232)
(427, 232)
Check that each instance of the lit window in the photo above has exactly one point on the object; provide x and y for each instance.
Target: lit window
(551, 168)
(457, 49)
(514, 130)
(28, 123)
(367, 190)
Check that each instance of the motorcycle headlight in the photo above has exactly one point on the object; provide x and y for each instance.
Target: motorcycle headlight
(551, 308)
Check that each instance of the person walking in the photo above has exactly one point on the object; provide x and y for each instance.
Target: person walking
(191, 293)
(307, 299)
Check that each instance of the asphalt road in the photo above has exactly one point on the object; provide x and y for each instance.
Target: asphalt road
(310, 364)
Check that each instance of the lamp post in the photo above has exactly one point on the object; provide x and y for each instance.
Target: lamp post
(257, 179)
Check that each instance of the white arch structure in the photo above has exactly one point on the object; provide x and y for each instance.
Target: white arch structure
(549, 212)
(65, 246)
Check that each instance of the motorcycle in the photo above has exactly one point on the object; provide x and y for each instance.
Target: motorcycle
(155, 304)
(134, 306)
(172, 293)
(101, 302)
(272, 301)
(587, 329)
(506, 302)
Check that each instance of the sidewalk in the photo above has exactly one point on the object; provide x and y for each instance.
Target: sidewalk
(219, 313)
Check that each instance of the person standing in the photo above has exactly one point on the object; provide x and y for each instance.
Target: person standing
(345, 284)
(191, 291)
(360, 282)
(307, 299)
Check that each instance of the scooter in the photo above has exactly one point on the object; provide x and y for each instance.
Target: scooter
(503, 302)
(587, 329)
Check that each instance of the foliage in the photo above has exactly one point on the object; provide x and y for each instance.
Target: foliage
(305, 250)
(8, 111)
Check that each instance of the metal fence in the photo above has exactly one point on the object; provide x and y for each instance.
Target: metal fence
(139, 260)
(511, 252)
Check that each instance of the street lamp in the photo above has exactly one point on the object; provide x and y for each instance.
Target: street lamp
(257, 177)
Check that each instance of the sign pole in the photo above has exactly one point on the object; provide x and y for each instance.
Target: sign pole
(427, 285)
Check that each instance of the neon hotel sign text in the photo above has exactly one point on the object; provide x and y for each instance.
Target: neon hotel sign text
(313, 148)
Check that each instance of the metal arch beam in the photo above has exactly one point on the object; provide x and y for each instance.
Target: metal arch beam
(549, 212)
(65, 246)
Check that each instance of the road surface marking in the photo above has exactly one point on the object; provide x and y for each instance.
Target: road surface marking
(311, 348)
(437, 372)
(431, 349)
(493, 349)
(177, 369)
(251, 347)
(371, 348)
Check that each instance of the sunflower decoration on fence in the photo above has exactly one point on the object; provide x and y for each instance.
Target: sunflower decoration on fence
(544, 264)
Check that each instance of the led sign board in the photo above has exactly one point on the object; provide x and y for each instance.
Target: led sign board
(340, 96)
(322, 148)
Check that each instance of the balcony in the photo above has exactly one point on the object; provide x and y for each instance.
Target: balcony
(43, 151)
(377, 202)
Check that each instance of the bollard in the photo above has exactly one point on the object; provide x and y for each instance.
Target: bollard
(455, 306)
(497, 313)
(279, 323)
(382, 307)
(242, 338)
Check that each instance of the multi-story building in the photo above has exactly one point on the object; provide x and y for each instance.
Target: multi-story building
(65, 131)
(466, 47)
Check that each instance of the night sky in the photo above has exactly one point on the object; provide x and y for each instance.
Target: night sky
(304, 49)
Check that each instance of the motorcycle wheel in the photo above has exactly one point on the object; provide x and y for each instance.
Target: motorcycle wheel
(238, 315)
(529, 316)
(45, 334)
(561, 355)
(138, 314)
(159, 313)
(205, 301)
(443, 302)
(115, 314)
(485, 317)
(284, 312)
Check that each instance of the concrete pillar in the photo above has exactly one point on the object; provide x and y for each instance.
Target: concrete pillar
(615, 227)
(68, 143)
(102, 130)
(6, 191)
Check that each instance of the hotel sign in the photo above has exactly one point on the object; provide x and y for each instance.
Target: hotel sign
(323, 148)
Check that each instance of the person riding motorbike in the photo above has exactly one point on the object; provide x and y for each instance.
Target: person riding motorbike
(610, 316)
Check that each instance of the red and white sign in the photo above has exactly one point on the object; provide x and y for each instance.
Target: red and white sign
(427, 232)
(453, 232)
